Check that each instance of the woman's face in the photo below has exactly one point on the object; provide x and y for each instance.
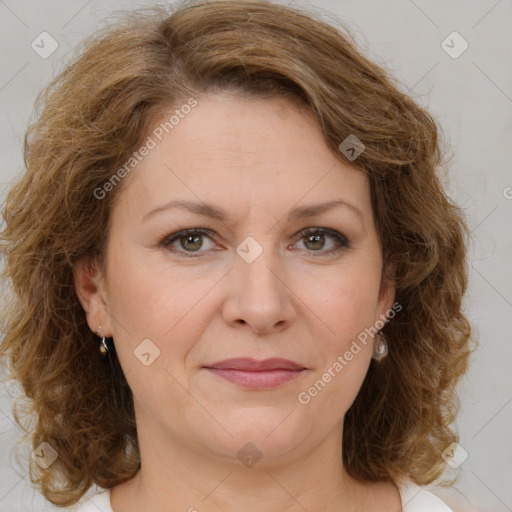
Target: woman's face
(251, 284)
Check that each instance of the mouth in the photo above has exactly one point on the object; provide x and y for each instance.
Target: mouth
(253, 374)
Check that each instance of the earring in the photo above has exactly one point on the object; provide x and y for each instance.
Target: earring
(103, 345)
(380, 347)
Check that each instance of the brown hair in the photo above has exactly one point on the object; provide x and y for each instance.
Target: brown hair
(94, 115)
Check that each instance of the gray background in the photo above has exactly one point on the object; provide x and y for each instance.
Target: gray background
(471, 96)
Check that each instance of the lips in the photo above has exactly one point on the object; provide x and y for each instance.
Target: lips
(252, 365)
(252, 374)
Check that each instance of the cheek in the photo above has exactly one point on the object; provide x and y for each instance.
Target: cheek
(344, 353)
(345, 310)
(158, 302)
(148, 299)
(347, 303)
(146, 307)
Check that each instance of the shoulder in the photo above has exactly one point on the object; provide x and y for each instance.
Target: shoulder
(93, 503)
(416, 499)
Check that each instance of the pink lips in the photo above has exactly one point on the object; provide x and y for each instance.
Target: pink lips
(250, 373)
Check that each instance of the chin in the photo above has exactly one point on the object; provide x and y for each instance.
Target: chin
(268, 433)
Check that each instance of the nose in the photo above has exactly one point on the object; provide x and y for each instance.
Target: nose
(258, 293)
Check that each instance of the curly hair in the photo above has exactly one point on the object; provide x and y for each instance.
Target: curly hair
(95, 113)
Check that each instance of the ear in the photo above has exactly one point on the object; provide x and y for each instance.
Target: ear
(91, 292)
(386, 293)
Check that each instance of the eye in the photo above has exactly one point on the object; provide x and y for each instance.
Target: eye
(314, 240)
(190, 241)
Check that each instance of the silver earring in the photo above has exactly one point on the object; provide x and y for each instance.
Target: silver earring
(380, 347)
(103, 345)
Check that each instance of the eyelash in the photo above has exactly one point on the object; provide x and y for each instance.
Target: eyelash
(342, 240)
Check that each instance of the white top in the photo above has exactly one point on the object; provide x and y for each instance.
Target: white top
(414, 499)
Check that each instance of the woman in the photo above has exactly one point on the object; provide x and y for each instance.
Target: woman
(237, 280)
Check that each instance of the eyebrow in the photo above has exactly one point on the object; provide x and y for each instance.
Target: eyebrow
(215, 212)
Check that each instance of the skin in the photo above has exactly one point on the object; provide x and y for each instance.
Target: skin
(258, 159)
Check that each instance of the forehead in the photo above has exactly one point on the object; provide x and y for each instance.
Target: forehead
(242, 152)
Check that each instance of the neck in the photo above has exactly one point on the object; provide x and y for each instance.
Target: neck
(177, 477)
